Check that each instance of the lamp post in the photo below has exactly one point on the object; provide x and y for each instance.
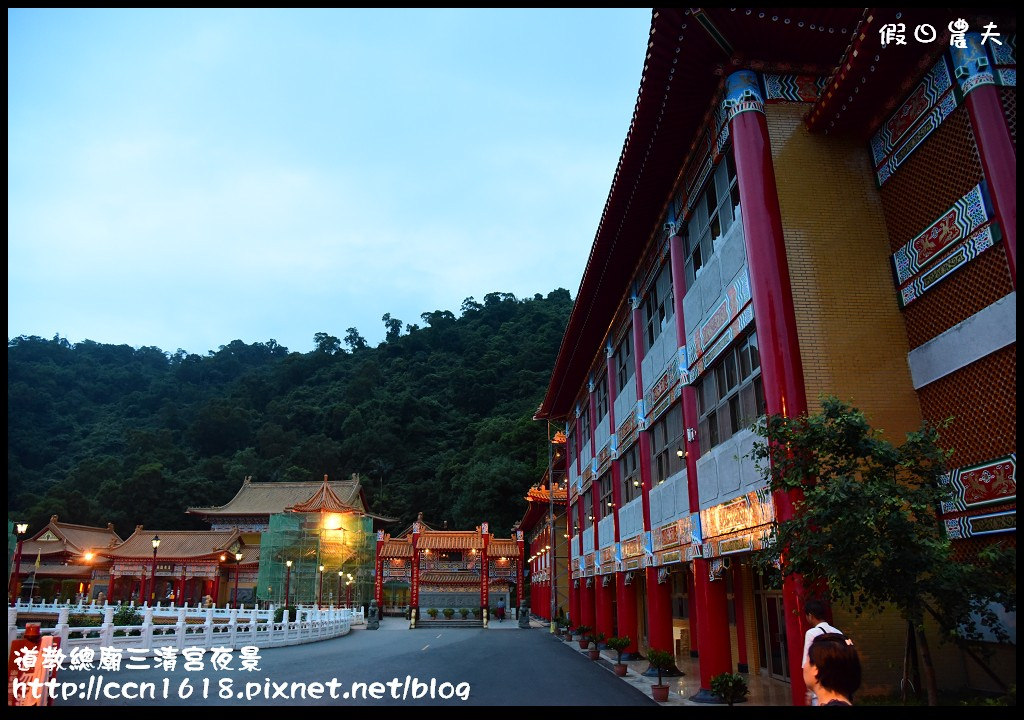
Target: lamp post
(320, 592)
(348, 591)
(238, 571)
(340, 576)
(287, 581)
(152, 574)
(20, 529)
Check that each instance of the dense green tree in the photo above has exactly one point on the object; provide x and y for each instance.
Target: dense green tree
(866, 527)
(438, 420)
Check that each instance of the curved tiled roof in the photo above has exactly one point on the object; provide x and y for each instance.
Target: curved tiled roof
(268, 498)
(502, 548)
(75, 539)
(323, 500)
(181, 544)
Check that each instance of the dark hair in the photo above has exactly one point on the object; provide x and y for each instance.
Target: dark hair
(837, 662)
(816, 608)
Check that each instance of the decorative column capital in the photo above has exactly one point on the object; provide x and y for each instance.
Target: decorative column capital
(971, 65)
(742, 94)
(634, 302)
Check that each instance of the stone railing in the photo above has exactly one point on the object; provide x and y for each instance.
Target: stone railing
(242, 628)
(159, 610)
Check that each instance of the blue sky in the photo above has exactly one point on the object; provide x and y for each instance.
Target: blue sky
(182, 179)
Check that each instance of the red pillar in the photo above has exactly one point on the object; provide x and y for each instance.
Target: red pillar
(111, 587)
(692, 621)
(781, 367)
(992, 136)
(484, 580)
(378, 567)
(216, 588)
(520, 559)
(414, 584)
(741, 627)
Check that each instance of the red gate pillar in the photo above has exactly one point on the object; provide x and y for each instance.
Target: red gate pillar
(378, 569)
(781, 366)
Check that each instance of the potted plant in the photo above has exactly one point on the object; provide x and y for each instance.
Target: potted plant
(662, 662)
(595, 640)
(464, 612)
(618, 644)
(731, 687)
(432, 612)
(582, 632)
(449, 613)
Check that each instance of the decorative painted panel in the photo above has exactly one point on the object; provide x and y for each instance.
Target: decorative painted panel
(962, 528)
(967, 214)
(969, 249)
(725, 324)
(928, 105)
(742, 94)
(990, 482)
(744, 512)
(923, 97)
(792, 88)
(633, 547)
(972, 68)
(628, 429)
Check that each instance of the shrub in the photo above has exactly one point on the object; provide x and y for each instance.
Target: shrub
(618, 644)
(127, 615)
(730, 687)
(660, 661)
(449, 613)
(279, 613)
(432, 612)
(464, 612)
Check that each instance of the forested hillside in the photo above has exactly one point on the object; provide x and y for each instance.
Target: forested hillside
(437, 419)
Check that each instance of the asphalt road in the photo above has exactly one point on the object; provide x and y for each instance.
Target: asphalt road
(459, 666)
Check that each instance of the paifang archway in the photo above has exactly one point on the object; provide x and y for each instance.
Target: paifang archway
(444, 568)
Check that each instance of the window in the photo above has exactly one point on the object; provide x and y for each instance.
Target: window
(624, 360)
(730, 395)
(666, 440)
(713, 214)
(588, 507)
(570, 446)
(602, 398)
(658, 306)
(629, 472)
(606, 507)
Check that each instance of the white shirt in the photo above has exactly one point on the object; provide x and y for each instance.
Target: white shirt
(819, 629)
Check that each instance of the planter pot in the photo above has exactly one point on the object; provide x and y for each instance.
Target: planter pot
(620, 669)
(584, 644)
(594, 654)
(659, 693)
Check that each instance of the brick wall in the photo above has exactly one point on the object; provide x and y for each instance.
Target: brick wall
(853, 341)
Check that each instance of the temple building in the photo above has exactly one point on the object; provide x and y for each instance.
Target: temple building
(431, 569)
(545, 532)
(809, 202)
(62, 560)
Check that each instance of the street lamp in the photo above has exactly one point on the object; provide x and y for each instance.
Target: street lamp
(287, 581)
(21, 529)
(238, 570)
(340, 575)
(320, 593)
(348, 591)
(152, 575)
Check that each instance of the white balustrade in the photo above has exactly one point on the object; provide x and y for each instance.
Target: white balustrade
(238, 627)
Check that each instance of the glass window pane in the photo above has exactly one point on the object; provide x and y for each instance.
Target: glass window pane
(735, 198)
(712, 430)
(703, 436)
(730, 165)
(755, 358)
(711, 198)
(722, 380)
(716, 228)
(744, 361)
(759, 396)
(734, 414)
(748, 407)
(730, 370)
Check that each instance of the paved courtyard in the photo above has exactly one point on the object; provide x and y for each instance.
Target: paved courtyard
(503, 665)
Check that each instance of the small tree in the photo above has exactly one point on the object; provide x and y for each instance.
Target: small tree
(866, 525)
(432, 612)
(618, 644)
(661, 661)
(449, 613)
(731, 687)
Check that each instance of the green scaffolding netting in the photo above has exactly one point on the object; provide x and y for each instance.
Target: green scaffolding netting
(344, 544)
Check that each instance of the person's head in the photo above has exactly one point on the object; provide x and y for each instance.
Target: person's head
(815, 610)
(833, 664)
